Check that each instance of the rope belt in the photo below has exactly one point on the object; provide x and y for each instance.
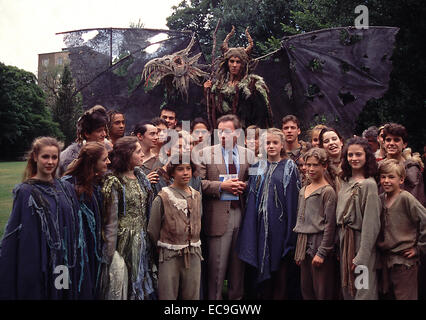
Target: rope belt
(348, 254)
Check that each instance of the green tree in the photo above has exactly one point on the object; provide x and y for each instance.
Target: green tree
(201, 16)
(67, 106)
(23, 112)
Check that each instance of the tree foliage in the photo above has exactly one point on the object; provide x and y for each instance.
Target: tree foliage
(201, 16)
(23, 112)
(67, 107)
(270, 20)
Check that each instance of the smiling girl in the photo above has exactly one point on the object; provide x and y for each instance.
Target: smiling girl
(358, 219)
(332, 142)
(42, 232)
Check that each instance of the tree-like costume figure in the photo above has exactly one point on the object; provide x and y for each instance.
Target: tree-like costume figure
(176, 71)
(235, 89)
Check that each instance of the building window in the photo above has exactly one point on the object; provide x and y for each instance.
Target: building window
(45, 62)
(60, 61)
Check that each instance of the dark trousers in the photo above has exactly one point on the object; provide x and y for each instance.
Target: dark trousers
(284, 283)
(402, 283)
(318, 283)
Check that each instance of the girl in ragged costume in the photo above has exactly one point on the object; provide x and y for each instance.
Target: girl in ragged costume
(129, 271)
(358, 221)
(85, 174)
(43, 249)
(266, 239)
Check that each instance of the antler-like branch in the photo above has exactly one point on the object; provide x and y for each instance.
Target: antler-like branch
(250, 41)
(225, 42)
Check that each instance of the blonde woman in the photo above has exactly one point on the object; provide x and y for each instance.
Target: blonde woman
(43, 249)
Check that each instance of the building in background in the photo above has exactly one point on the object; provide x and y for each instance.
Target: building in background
(51, 64)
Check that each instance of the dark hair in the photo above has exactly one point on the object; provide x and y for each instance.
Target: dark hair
(168, 108)
(121, 153)
(370, 167)
(175, 161)
(200, 120)
(91, 120)
(157, 121)
(36, 146)
(371, 132)
(111, 114)
(83, 168)
(230, 117)
(290, 117)
(141, 128)
(395, 129)
(321, 135)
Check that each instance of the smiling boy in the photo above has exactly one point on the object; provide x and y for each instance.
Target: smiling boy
(395, 141)
(403, 233)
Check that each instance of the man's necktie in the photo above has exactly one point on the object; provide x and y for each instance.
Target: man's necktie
(232, 169)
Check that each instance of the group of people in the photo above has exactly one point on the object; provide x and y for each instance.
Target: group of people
(164, 214)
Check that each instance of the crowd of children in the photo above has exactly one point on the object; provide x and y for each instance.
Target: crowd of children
(139, 217)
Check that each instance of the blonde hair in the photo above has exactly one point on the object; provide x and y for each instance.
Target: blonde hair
(276, 132)
(36, 146)
(318, 128)
(391, 166)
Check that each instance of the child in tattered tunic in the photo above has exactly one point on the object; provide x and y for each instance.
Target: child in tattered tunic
(316, 226)
(358, 221)
(402, 236)
(175, 225)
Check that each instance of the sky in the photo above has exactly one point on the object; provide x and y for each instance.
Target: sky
(28, 27)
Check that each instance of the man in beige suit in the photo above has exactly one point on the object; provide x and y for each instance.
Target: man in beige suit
(222, 218)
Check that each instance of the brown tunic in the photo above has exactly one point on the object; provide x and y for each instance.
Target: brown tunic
(317, 217)
(403, 227)
(175, 222)
(358, 213)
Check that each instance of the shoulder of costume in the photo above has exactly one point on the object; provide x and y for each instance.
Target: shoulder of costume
(67, 179)
(72, 148)
(111, 181)
(22, 187)
(141, 176)
(408, 163)
(370, 184)
(289, 163)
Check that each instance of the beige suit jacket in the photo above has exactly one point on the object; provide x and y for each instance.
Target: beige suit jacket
(216, 211)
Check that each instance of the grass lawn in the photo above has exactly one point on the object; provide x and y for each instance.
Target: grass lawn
(10, 175)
